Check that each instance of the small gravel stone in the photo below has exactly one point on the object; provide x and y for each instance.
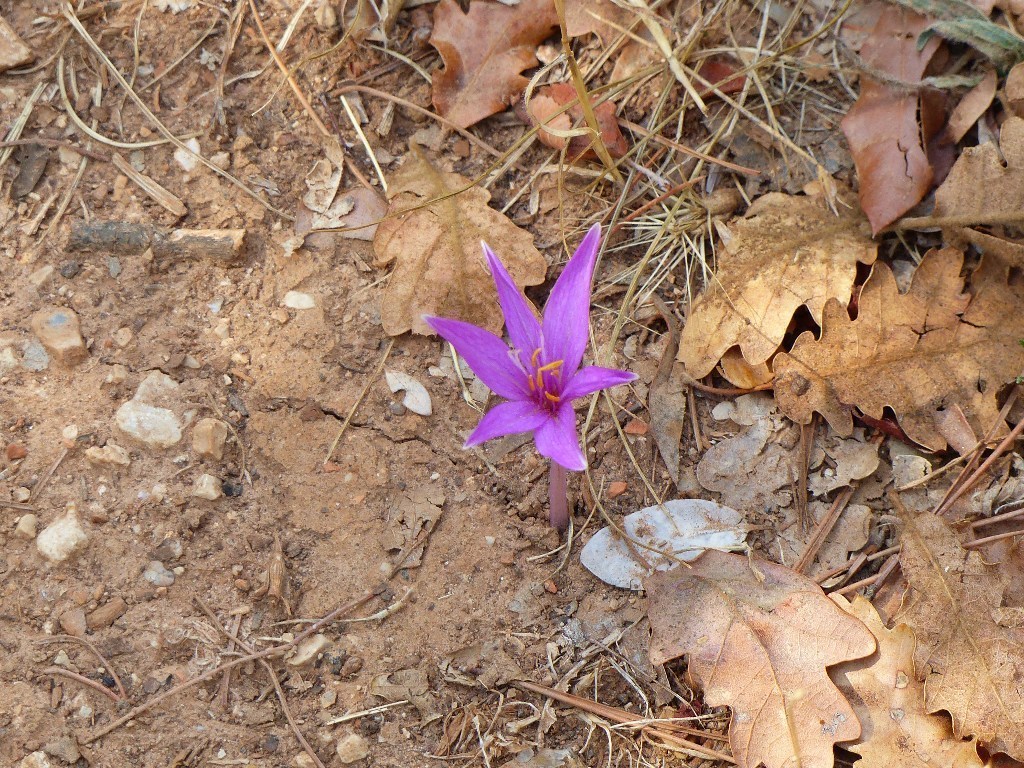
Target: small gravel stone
(208, 439)
(70, 269)
(27, 526)
(207, 487)
(61, 538)
(352, 748)
(298, 300)
(153, 426)
(106, 614)
(64, 749)
(308, 650)
(157, 575)
(35, 760)
(34, 356)
(15, 451)
(73, 622)
(111, 454)
(41, 277)
(60, 332)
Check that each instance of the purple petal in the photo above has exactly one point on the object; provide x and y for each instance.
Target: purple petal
(594, 378)
(488, 356)
(567, 313)
(522, 324)
(556, 438)
(507, 419)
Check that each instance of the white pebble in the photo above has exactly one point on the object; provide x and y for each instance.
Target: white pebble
(298, 300)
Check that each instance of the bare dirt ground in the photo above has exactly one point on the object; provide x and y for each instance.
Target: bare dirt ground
(483, 602)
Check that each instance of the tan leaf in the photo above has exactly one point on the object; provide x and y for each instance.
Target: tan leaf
(598, 17)
(971, 107)
(484, 52)
(914, 353)
(971, 665)
(545, 110)
(759, 638)
(987, 180)
(882, 128)
(786, 253)
(439, 268)
(889, 701)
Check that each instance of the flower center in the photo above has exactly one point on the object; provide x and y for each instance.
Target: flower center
(545, 381)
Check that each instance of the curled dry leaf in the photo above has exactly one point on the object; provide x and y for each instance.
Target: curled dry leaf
(681, 528)
(916, 353)
(545, 109)
(882, 128)
(759, 638)
(987, 181)
(971, 664)
(786, 253)
(484, 53)
(433, 233)
(889, 701)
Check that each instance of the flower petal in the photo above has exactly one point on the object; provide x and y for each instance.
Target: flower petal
(594, 378)
(556, 438)
(507, 419)
(567, 312)
(488, 356)
(523, 326)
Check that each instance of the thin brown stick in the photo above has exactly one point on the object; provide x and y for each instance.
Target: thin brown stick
(849, 564)
(38, 487)
(727, 391)
(1016, 509)
(106, 664)
(233, 638)
(617, 715)
(225, 682)
(975, 476)
(822, 530)
(883, 573)
(83, 680)
(56, 144)
(212, 673)
(974, 544)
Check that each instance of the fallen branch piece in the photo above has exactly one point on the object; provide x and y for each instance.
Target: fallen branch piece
(126, 239)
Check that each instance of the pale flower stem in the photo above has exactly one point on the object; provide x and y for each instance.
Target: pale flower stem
(559, 489)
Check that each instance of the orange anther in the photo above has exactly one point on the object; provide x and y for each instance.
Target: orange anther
(552, 398)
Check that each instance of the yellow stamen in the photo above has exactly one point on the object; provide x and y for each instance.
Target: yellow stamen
(530, 384)
(534, 357)
(552, 398)
(552, 367)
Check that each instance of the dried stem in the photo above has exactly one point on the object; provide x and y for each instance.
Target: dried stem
(559, 490)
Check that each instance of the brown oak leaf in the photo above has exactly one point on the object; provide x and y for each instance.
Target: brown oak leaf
(759, 638)
(546, 110)
(970, 660)
(917, 353)
(882, 128)
(433, 231)
(787, 252)
(484, 53)
(987, 182)
(889, 701)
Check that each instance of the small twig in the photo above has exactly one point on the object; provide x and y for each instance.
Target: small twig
(106, 664)
(273, 676)
(83, 680)
(975, 543)
(822, 530)
(855, 564)
(975, 476)
(38, 487)
(1013, 509)
(873, 581)
(362, 394)
(212, 673)
(56, 144)
(621, 716)
(225, 683)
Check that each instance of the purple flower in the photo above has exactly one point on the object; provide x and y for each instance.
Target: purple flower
(538, 372)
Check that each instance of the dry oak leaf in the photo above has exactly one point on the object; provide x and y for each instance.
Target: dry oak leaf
(433, 235)
(889, 701)
(918, 353)
(971, 665)
(759, 638)
(986, 181)
(882, 128)
(484, 53)
(787, 252)
(546, 110)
